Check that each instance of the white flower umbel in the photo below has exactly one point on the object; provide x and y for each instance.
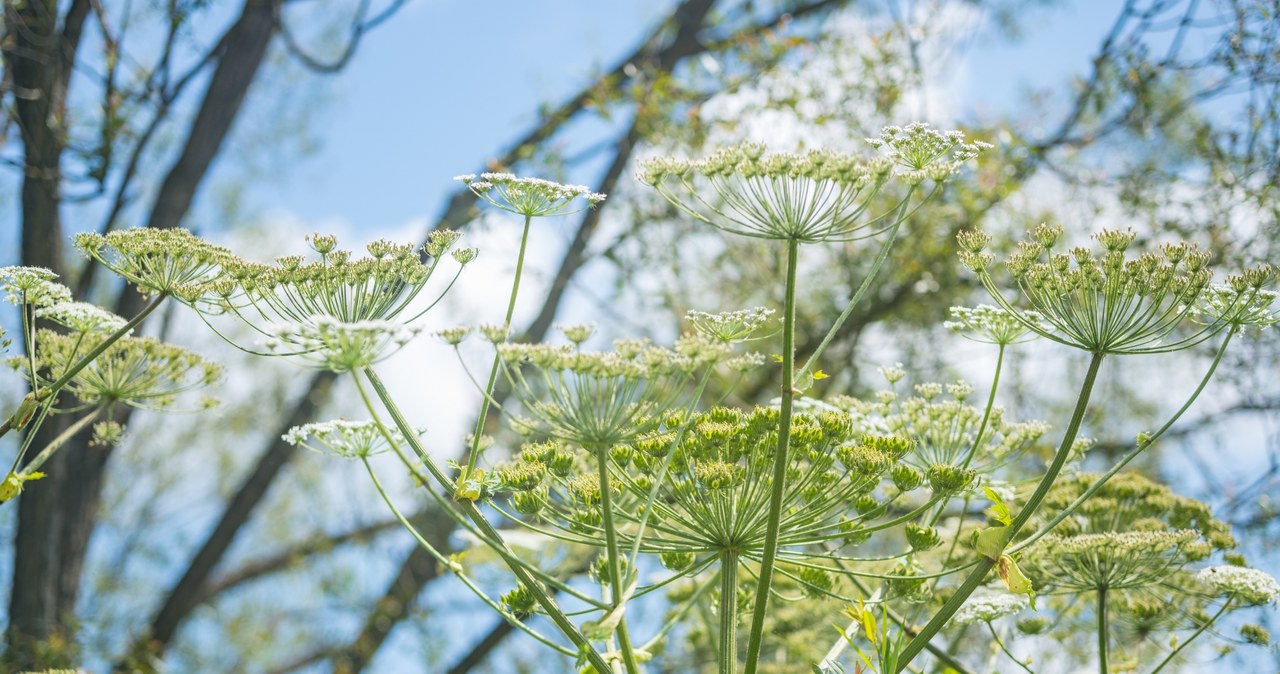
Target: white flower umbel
(990, 606)
(530, 197)
(730, 326)
(170, 261)
(812, 197)
(1241, 304)
(1106, 302)
(1251, 585)
(330, 344)
(347, 439)
(34, 286)
(992, 325)
(82, 317)
(141, 372)
(1112, 560)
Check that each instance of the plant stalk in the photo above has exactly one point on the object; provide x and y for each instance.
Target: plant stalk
(1103, 630)
(728, 612)
(474, 451)
(617, 584)
(979, 573)
(52, 390)
(770, 552)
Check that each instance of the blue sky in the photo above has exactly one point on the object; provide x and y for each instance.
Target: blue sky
(442, 87)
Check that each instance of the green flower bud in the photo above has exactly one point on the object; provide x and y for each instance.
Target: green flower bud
(946, 479)
(677, 561)
(905, 478)
(818, 583)
(521, 602)
(1033, 624)
(922, 538)
(529, 502)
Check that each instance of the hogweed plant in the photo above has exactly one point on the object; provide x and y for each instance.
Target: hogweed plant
(640, 487)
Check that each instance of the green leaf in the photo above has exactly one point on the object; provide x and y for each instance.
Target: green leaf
(1015, 580)
(991, 542)
(998, 509)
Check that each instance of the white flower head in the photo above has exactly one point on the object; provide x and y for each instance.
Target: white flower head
(992, 325)
(530, 197)
(34, 286)
(82, 317)
(347, 439)
(331, 344)
(730, 326)
(989, 606)
(1252, 585)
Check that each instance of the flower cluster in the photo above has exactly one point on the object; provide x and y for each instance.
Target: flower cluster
(82, 317)
(378, 287)
(169, 261)
(817, 196)
(1251, 585)
(1108, 303)
(1243, 302)
(946, 430)
(1113, 560)
(33, 286)
(330, 344)
(713, 473)
(602, 398)
(530, 197)
(140, 372)
(991, 325)
(347, 439)
(985, 607)
(729, 326)
(920, 149)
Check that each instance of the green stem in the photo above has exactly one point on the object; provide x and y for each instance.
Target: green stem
(474, 452)
(617, 586)
(857, 296)
(986, 414)
(1191, 638)
(39, 459)
(979, 573)
(1000, 642)
(1103, 630)
(1133, 453)
(728, 612)
(52, 390)
(487, 530)
(779, 463)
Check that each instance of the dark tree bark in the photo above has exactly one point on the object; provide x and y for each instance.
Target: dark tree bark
(56, 521)
(38, 57)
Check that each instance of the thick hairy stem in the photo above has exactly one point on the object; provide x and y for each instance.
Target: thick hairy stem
(728, 612)
(979, 573)
(770, 551)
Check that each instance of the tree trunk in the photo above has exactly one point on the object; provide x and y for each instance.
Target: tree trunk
(38, 60)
